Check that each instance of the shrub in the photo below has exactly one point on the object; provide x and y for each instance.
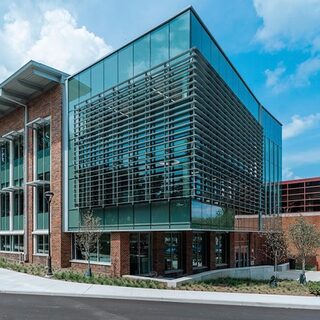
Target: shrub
(314, 288)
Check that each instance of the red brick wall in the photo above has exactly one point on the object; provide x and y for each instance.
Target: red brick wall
(120, 253)
(10, 256)
(158, 252)
(47, 104)
(94, 267)
(290, 219)
(13, 121)
(50, 104)
(40, 260)
(257, 249)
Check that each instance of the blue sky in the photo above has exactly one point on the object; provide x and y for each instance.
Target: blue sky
(274, 44)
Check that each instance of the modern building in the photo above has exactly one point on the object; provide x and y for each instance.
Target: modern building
(301, 197)
(171, 149)
(164, 142)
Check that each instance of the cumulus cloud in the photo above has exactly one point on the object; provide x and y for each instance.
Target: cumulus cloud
(54, 38)
(278, 80)
(290, 24)
(298, 159)
(288, 174)
(287, 23)
(300, 124)
(274, 78)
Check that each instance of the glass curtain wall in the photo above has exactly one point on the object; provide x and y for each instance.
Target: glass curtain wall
(270, 198)
(118, 90)
(133, 60)
(272, 173)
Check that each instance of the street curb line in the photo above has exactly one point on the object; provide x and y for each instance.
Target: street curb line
(174, 300)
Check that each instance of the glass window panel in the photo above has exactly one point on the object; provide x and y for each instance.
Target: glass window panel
(180, 210)
(126, 63)
(172, 251)
(85, 84)
(160, 212)
(205, 41)
(142, 213)
(126, 215)
(73, 91)
(104, 248)
(160, 45)
(111, 216)
(179, 34)
(110, 71)
(142, 55)
(196, 33)
(97, 78)
(199, 247)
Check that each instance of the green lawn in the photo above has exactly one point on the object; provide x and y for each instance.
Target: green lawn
(285, 287)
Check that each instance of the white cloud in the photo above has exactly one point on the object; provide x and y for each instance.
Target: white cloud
(288, 174)
(287, 23)
(301, 158)
(274, 78)
(54, 38)
(305, 71)
(290, 24)
(300, 124)
(278, 80)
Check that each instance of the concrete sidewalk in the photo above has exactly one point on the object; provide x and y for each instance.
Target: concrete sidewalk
(20, 283)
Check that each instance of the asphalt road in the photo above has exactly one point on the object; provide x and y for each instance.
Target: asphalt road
(48, 307)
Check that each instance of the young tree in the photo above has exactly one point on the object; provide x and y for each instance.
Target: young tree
(275, 244)
(306, 239)
(88, 237)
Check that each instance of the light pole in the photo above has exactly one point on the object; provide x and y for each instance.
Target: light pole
(49, 195)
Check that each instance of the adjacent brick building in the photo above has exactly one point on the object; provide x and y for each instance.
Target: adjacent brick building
(301, 197)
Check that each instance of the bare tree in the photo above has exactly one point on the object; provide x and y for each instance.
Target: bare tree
(275, 245)
(306, 239)
(88, 236)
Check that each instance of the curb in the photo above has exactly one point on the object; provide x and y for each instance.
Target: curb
(174, 300)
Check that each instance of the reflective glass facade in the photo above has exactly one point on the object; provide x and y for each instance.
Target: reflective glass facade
(164, 133)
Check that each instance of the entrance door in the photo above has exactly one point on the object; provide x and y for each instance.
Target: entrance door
(242, 256)
(140, 257)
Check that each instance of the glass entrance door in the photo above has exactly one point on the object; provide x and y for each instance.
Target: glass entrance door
(140, 253)
(242, 256)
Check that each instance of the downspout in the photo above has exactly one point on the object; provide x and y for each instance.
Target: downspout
(25, 173)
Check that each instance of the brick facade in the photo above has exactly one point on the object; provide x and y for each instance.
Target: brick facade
(50, 104)
(120, 253)
(47, 104)
(158, 252)
(312, 218)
